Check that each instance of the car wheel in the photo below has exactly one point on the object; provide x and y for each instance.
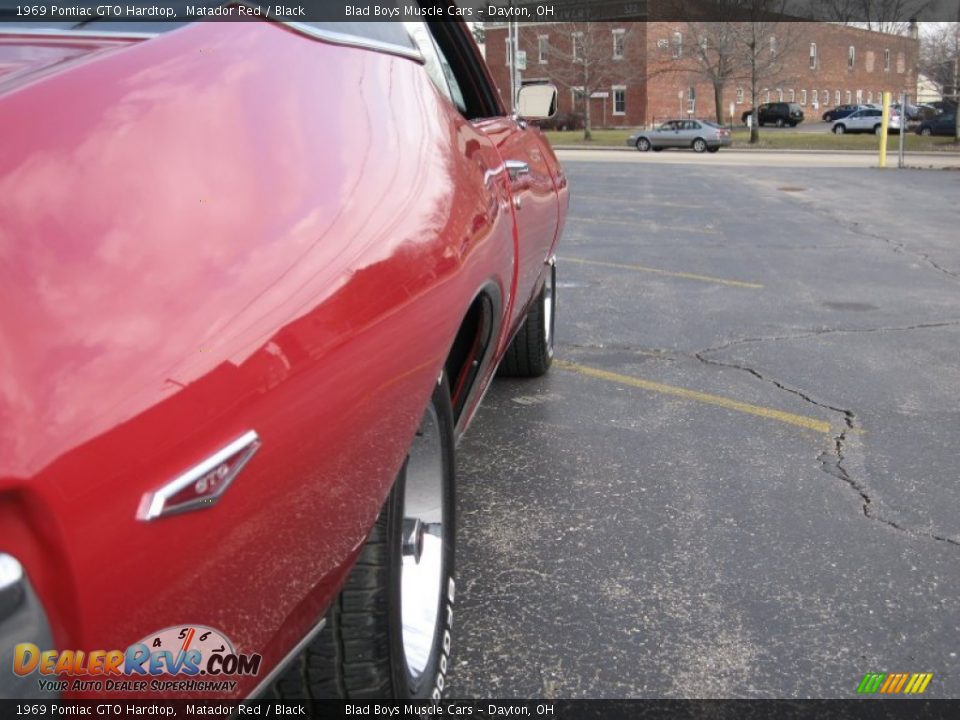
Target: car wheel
(387, 634)
(531, 352)
(713, 149)
(780, 122)
(699, 145)
(926, 131)
(643, 144)
(877, 129)
(839, 129)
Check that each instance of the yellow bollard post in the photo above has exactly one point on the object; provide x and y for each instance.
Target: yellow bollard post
(884, 122)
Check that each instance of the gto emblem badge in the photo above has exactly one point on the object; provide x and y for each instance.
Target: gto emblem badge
(203, 484)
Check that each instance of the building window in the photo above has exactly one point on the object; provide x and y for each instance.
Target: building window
(677, 45)
(814, 99)
(836, 100)
(739, 96)
(851, 57)
(849, 97)
(870, 97)
(543, 47)
(859, 97)
(886, 60)
(619, 100)
(901, 63)
(792, 95)
(618, 39)
(691, 100)
(813, 56)
(578, 46)
(773, 46)
(826, 97)
(780, 94)
(577, 97)
(766, 95)
(803, 97)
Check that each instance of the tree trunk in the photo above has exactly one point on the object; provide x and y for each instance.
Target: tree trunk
(718, 99)
(755, 125)
(587, 134)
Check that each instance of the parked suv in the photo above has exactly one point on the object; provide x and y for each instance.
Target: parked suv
(777, 113)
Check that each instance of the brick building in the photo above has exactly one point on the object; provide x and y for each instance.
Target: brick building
(645, 70)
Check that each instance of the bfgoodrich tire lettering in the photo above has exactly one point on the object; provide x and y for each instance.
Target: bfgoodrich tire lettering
(372, 646)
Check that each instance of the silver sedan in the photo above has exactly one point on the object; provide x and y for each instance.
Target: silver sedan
(700, 135)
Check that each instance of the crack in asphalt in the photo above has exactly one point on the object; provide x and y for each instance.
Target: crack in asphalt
(831, 461)
(897, 245)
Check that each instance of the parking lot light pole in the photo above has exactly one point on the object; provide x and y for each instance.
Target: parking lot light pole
(903, 128)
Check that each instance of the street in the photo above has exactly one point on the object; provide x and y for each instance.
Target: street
(739, 479)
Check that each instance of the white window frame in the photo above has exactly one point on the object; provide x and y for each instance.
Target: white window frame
(814, 98)
(836, 102)
(543, 43)
(766, 95)
(870, 97)
(849, 98)
(677, 45)
(691, 100)
(859, 97)
(813, 56)
(791, 95)
(886, 60)
(803, 97)
(851, 57)
(577, 90)
(740, 94)
(574, 37)
(621, 35)
(619, 89)
(779, 94)
(826, 98)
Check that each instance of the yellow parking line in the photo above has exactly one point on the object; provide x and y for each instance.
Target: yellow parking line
(670, 273)
(769, 413)
(636, 201)
(635, 223)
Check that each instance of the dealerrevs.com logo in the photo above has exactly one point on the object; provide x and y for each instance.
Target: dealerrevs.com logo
(182, 658)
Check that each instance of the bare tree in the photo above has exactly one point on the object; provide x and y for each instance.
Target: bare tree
(715, 57)
(886, 16)
(762, 46)
(940, 61)
(583, 52)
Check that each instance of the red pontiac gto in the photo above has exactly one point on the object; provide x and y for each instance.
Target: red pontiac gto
(254, 280)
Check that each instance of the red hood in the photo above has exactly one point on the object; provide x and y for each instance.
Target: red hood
(24, 57)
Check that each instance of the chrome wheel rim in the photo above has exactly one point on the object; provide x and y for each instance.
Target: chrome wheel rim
(548, 296)
(422, 555)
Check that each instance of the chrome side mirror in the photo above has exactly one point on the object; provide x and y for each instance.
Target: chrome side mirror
(537, 102)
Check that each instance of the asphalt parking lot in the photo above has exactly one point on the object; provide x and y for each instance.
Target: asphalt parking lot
(740, 477)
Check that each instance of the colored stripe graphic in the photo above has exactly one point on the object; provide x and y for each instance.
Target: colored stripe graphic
(894, 683)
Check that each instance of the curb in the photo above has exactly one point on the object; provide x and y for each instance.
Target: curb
(922, 153)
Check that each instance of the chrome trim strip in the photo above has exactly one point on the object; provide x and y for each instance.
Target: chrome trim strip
(153, 504)
(67, 32)
(354, 41)
(287, 659)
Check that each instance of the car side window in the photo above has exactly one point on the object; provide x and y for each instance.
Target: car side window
(667, 126)
(435, 64)
(694, 125)
(464, 70)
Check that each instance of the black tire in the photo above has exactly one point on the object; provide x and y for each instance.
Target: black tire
(531, 352)
(839, 129)
(713, 149)
(699, 145)
(360, 653)
(643, 145)
(657, 149)
(877, 129)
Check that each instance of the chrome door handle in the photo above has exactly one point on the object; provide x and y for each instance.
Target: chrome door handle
(516, 168)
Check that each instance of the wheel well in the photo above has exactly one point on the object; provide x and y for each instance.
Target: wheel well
(469, 351)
